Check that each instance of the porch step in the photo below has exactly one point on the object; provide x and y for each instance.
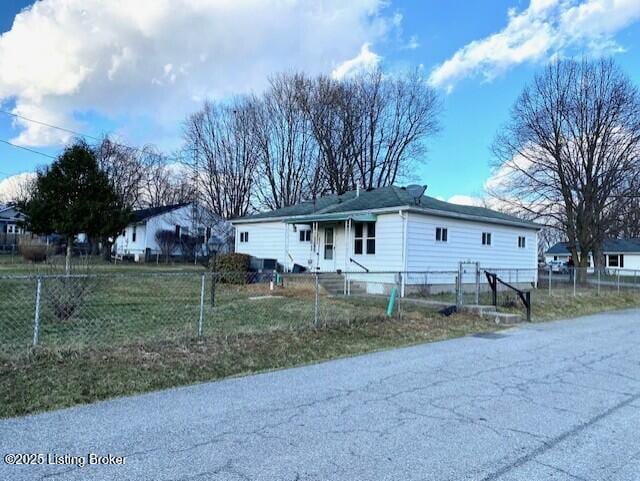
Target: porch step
(488, 312)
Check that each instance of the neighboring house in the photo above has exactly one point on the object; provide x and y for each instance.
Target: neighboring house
(10, 227)
(10, 219)
(388, 229)
(618, 254)
(188, 219)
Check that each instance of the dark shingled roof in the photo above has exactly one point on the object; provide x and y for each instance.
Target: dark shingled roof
(384, 197)
(610, 245)
(144, 214)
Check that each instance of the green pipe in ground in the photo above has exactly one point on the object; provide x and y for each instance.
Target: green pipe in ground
(392, 301)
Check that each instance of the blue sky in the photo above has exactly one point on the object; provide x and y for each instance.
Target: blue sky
(90, 68)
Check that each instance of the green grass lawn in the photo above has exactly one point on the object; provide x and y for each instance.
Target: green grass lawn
(132, 329)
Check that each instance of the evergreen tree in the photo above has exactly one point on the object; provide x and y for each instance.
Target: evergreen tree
(74, 196)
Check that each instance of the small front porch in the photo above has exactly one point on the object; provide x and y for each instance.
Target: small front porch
(332, 242)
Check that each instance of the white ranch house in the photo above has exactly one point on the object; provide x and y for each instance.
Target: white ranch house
(390, 229)
(620, 254)
(138, 239)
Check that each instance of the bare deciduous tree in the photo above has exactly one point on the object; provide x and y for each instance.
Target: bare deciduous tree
(395, 115)
(285, 144)
(126, 168)
(221, 153)
(570, 148)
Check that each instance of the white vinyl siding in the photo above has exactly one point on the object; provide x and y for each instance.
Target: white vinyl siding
(465, 244)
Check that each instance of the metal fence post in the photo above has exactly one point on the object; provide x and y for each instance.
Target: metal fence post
(317, 300)
(201, 320)
(36, 318)
(477, 283)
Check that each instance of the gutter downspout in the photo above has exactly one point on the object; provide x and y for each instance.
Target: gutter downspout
(404, 217)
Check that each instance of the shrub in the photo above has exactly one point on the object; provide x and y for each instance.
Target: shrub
(232, 268)
(233, 262)
(34, 250)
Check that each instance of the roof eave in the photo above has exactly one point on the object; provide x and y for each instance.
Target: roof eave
(417, 209)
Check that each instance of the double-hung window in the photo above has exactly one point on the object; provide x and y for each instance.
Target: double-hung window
(616, 260)
(522, 242)
(244, 237)
(442, 234)
(486, 238)
(305, 235)
(364, 238)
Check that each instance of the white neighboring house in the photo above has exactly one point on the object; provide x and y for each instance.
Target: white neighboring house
(139, 238)
(390, 229)
(10, 219)
(621, 254)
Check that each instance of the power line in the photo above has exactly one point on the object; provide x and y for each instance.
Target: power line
(27, 149)
(79, 134)
(52, 126)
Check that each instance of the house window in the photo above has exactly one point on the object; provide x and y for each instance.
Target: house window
(305, 235)
(134, 234)
(244, 237)
(365, 238)
(555, 258)
(486, 238)
(359, 235)
(442, 234)
(522, 242)
(371, 237)
(616, 260)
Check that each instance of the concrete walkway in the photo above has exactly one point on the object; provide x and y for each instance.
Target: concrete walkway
(554, 401)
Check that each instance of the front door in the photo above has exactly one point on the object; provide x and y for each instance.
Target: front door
(329, 250)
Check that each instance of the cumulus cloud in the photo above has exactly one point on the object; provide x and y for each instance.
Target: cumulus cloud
(462, 199)
(155, 60)
(12, 187)
(545, 29)
(364, 61)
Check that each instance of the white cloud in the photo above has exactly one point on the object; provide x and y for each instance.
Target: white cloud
(12, 187)
(462, 199)
(545, 29)
(364, 61)
(148, 60)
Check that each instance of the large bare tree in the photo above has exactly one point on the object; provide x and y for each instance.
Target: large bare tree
(221, 153)
(127, 169)
(395, 116)
(286, 148)
(569, 150)
(333, 115)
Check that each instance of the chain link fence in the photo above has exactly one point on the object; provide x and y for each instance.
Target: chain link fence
(76, 312)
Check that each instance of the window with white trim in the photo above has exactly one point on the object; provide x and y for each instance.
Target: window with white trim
(305, 235)
(522, 242)
(134, 233)
(244, 237)
(371, 237)
(616, 260)
(364, 238)
(486, 238)
(358, 238)
(442, 234)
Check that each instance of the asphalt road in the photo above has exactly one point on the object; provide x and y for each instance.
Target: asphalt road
(556, 401)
